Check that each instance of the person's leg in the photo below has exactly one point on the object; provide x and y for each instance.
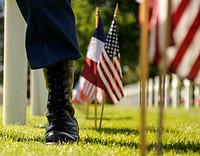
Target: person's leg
(51, 33)
(62, 124)
(51, 44)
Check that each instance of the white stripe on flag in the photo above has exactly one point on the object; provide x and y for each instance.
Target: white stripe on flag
(186, 20)
(116, 76)
(107, 85)
(197, 79)
(190, 56)
(112, 84)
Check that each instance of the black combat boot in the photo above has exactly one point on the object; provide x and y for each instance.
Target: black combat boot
(62, 127)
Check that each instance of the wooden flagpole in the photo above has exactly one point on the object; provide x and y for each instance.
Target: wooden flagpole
(95, 112)
(116, 12)
(87, 108)
(102, 111)
(162, 80)
(144, 71)
(103, 104)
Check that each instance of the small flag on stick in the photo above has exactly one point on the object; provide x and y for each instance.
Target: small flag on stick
(94, 52)
(109, 68)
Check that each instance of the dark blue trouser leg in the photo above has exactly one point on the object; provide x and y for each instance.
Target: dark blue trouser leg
(51, 32)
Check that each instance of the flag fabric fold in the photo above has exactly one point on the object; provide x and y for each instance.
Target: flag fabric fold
(183, 54)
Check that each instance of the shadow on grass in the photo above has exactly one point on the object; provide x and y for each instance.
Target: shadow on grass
(118, 131)
(108, 119)
(40, 126)
(175, 147)
(178, 147)
(183, 146)
(110, 142)
(21, 138)
(151, 129)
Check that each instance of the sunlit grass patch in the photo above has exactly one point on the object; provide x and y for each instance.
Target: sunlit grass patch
(119, 135)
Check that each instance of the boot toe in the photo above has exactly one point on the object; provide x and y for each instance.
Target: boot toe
(59, 137)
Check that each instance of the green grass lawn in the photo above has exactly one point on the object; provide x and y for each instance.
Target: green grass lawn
(119, 135)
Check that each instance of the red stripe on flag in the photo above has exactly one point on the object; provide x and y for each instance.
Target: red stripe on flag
(87, 88)
(116, 67)
(103, 84)
(113, 76)
(107, 78)
(195, 69)
(90, 90)
(184, 46)
(179, 12)
(119, 75)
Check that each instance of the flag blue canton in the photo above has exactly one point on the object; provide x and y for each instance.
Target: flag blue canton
(99, 32)
(112, 44)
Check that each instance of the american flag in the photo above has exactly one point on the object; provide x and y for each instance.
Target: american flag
(109, 68)
(84, 92)
(183, 55)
